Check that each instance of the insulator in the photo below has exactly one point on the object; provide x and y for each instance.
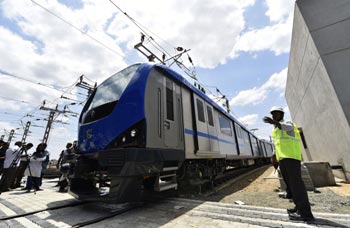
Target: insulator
(179, 49)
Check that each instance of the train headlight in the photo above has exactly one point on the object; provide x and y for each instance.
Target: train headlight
(133, 133)
(135, 136)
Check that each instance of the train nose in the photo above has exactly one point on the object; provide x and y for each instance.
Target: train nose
(89, 134)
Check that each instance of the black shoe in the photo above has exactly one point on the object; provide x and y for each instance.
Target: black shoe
(39, 189)
(297, 217)
(292, 210)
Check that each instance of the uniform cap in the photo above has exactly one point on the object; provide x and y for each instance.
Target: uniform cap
(276, 108)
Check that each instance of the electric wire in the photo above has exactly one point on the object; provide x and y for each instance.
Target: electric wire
(158, 46)
(78, 29)
(59, 89)
(12, 99)
(139, 25)
(25, 79)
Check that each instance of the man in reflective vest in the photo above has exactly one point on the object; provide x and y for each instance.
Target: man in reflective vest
(287, 144)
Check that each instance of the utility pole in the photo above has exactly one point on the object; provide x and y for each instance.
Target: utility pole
(84, 85)
(50, 120)
(48, 126)
(12, 132)
(25, 133)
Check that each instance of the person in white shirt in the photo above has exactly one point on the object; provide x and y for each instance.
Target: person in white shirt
(11, 162)
(34, 169)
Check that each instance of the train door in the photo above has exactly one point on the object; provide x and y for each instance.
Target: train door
(202, 127)
(172, 125)
(213, 135)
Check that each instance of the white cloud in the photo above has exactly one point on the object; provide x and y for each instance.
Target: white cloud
(250, 119)
(28, 93)
(51, 51)
(199, 25)
(278, 10)
(256, 95)
(246, 3)
(275, 37)
(250, 96)
(6, 125)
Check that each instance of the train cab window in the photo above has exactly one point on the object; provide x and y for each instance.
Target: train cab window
(200, 109)
(106, 96)
(169, 100)
(210, 116)
(225, 126)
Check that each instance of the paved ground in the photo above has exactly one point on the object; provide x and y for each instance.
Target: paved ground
(49, 208)
(259, 189)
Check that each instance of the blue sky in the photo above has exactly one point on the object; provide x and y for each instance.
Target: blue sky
(239, 46)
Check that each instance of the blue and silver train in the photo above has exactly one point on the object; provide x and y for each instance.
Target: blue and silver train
(146, 127)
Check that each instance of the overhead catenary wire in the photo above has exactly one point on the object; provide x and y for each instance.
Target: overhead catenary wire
(78, 29)
(160, 48)
(30, 114)
(142, 27)
(10, 113)
(12, 99)
(59, 89)
(7, 74)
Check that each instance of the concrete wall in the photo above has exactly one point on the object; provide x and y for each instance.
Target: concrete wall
(329, 25)
(318, 83)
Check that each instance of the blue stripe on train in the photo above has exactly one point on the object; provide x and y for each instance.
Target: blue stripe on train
(204, 135)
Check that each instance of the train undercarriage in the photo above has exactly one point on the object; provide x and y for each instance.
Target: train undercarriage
(123, 175)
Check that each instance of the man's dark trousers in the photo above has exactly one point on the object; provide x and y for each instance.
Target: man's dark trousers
(291, 170)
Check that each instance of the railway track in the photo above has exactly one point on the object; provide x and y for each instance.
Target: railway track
(156, 210)
(68, 212)
(75, 215)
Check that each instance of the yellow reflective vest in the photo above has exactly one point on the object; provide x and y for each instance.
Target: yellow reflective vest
(287, 144)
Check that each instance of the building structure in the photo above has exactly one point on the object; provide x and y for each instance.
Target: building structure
(318, 83)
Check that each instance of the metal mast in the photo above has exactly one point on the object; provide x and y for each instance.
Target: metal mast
(12, 132)
(25, 133)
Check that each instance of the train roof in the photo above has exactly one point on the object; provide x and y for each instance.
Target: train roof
(178, 77)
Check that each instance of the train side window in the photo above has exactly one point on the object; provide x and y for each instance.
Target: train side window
(238, 131)
(225, 126)
(169, 100)
(200, 109)
(210, 116)
(245, 135)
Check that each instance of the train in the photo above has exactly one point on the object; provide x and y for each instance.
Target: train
(148, 128)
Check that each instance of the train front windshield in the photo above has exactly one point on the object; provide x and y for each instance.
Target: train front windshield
(107, 95)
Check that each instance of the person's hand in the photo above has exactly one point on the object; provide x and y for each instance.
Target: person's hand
(267, 119)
